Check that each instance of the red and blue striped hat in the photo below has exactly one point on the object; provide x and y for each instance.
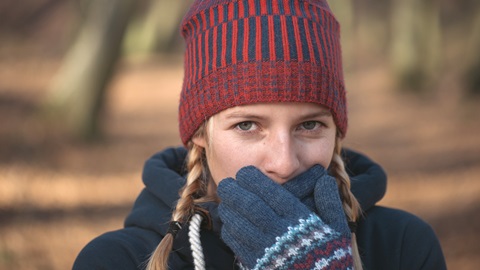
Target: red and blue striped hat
(256, 51)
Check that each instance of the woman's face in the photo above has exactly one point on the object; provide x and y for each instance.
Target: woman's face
(281, 139)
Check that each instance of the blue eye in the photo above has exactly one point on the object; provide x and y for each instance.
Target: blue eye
(245, 125)
(310, 125)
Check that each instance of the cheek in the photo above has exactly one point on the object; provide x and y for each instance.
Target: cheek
(226, 158)
(321, 153)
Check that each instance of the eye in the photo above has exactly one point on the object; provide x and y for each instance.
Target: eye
(247, 125)
(310, 125)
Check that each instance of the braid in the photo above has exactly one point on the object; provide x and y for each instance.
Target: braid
(350, 204)
(194, 188)
(194, 191)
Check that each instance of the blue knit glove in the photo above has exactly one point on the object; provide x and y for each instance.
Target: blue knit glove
(267, 227)
(315, 188)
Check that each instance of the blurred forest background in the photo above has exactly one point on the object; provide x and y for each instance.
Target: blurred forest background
(89, 90)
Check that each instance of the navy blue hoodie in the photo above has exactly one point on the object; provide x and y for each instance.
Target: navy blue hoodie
(387, 238)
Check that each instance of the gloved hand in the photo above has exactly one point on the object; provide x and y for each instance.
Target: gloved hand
(303, 186)
(267, 227)
(319, 192)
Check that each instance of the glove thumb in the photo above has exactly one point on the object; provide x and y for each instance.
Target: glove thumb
(329, 205)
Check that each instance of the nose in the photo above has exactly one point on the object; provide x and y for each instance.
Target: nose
(281, 161)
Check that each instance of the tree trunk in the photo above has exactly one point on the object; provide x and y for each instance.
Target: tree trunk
(472, 74)
(343, 10)
(415, 42)
(76, 97)
(158, 29)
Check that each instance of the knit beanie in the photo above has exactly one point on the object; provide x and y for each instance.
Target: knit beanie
(242, 52)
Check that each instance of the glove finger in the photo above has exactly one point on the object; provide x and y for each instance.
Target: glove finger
(309, 202)
(241, 249)
(238, 232)
(249, 206)
(278, 198)
(303, 185)
(329, 204)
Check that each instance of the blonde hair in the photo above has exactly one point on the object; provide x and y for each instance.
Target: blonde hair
(195, 192)
(351, 207)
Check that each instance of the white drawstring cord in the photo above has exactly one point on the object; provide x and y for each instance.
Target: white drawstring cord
(195, 244)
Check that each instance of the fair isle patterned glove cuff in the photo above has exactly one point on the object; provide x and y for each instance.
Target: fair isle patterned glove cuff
(309, 245)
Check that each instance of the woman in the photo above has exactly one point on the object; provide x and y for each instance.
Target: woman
(262, 114)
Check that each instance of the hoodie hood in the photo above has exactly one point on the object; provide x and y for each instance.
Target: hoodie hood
(164, 175)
